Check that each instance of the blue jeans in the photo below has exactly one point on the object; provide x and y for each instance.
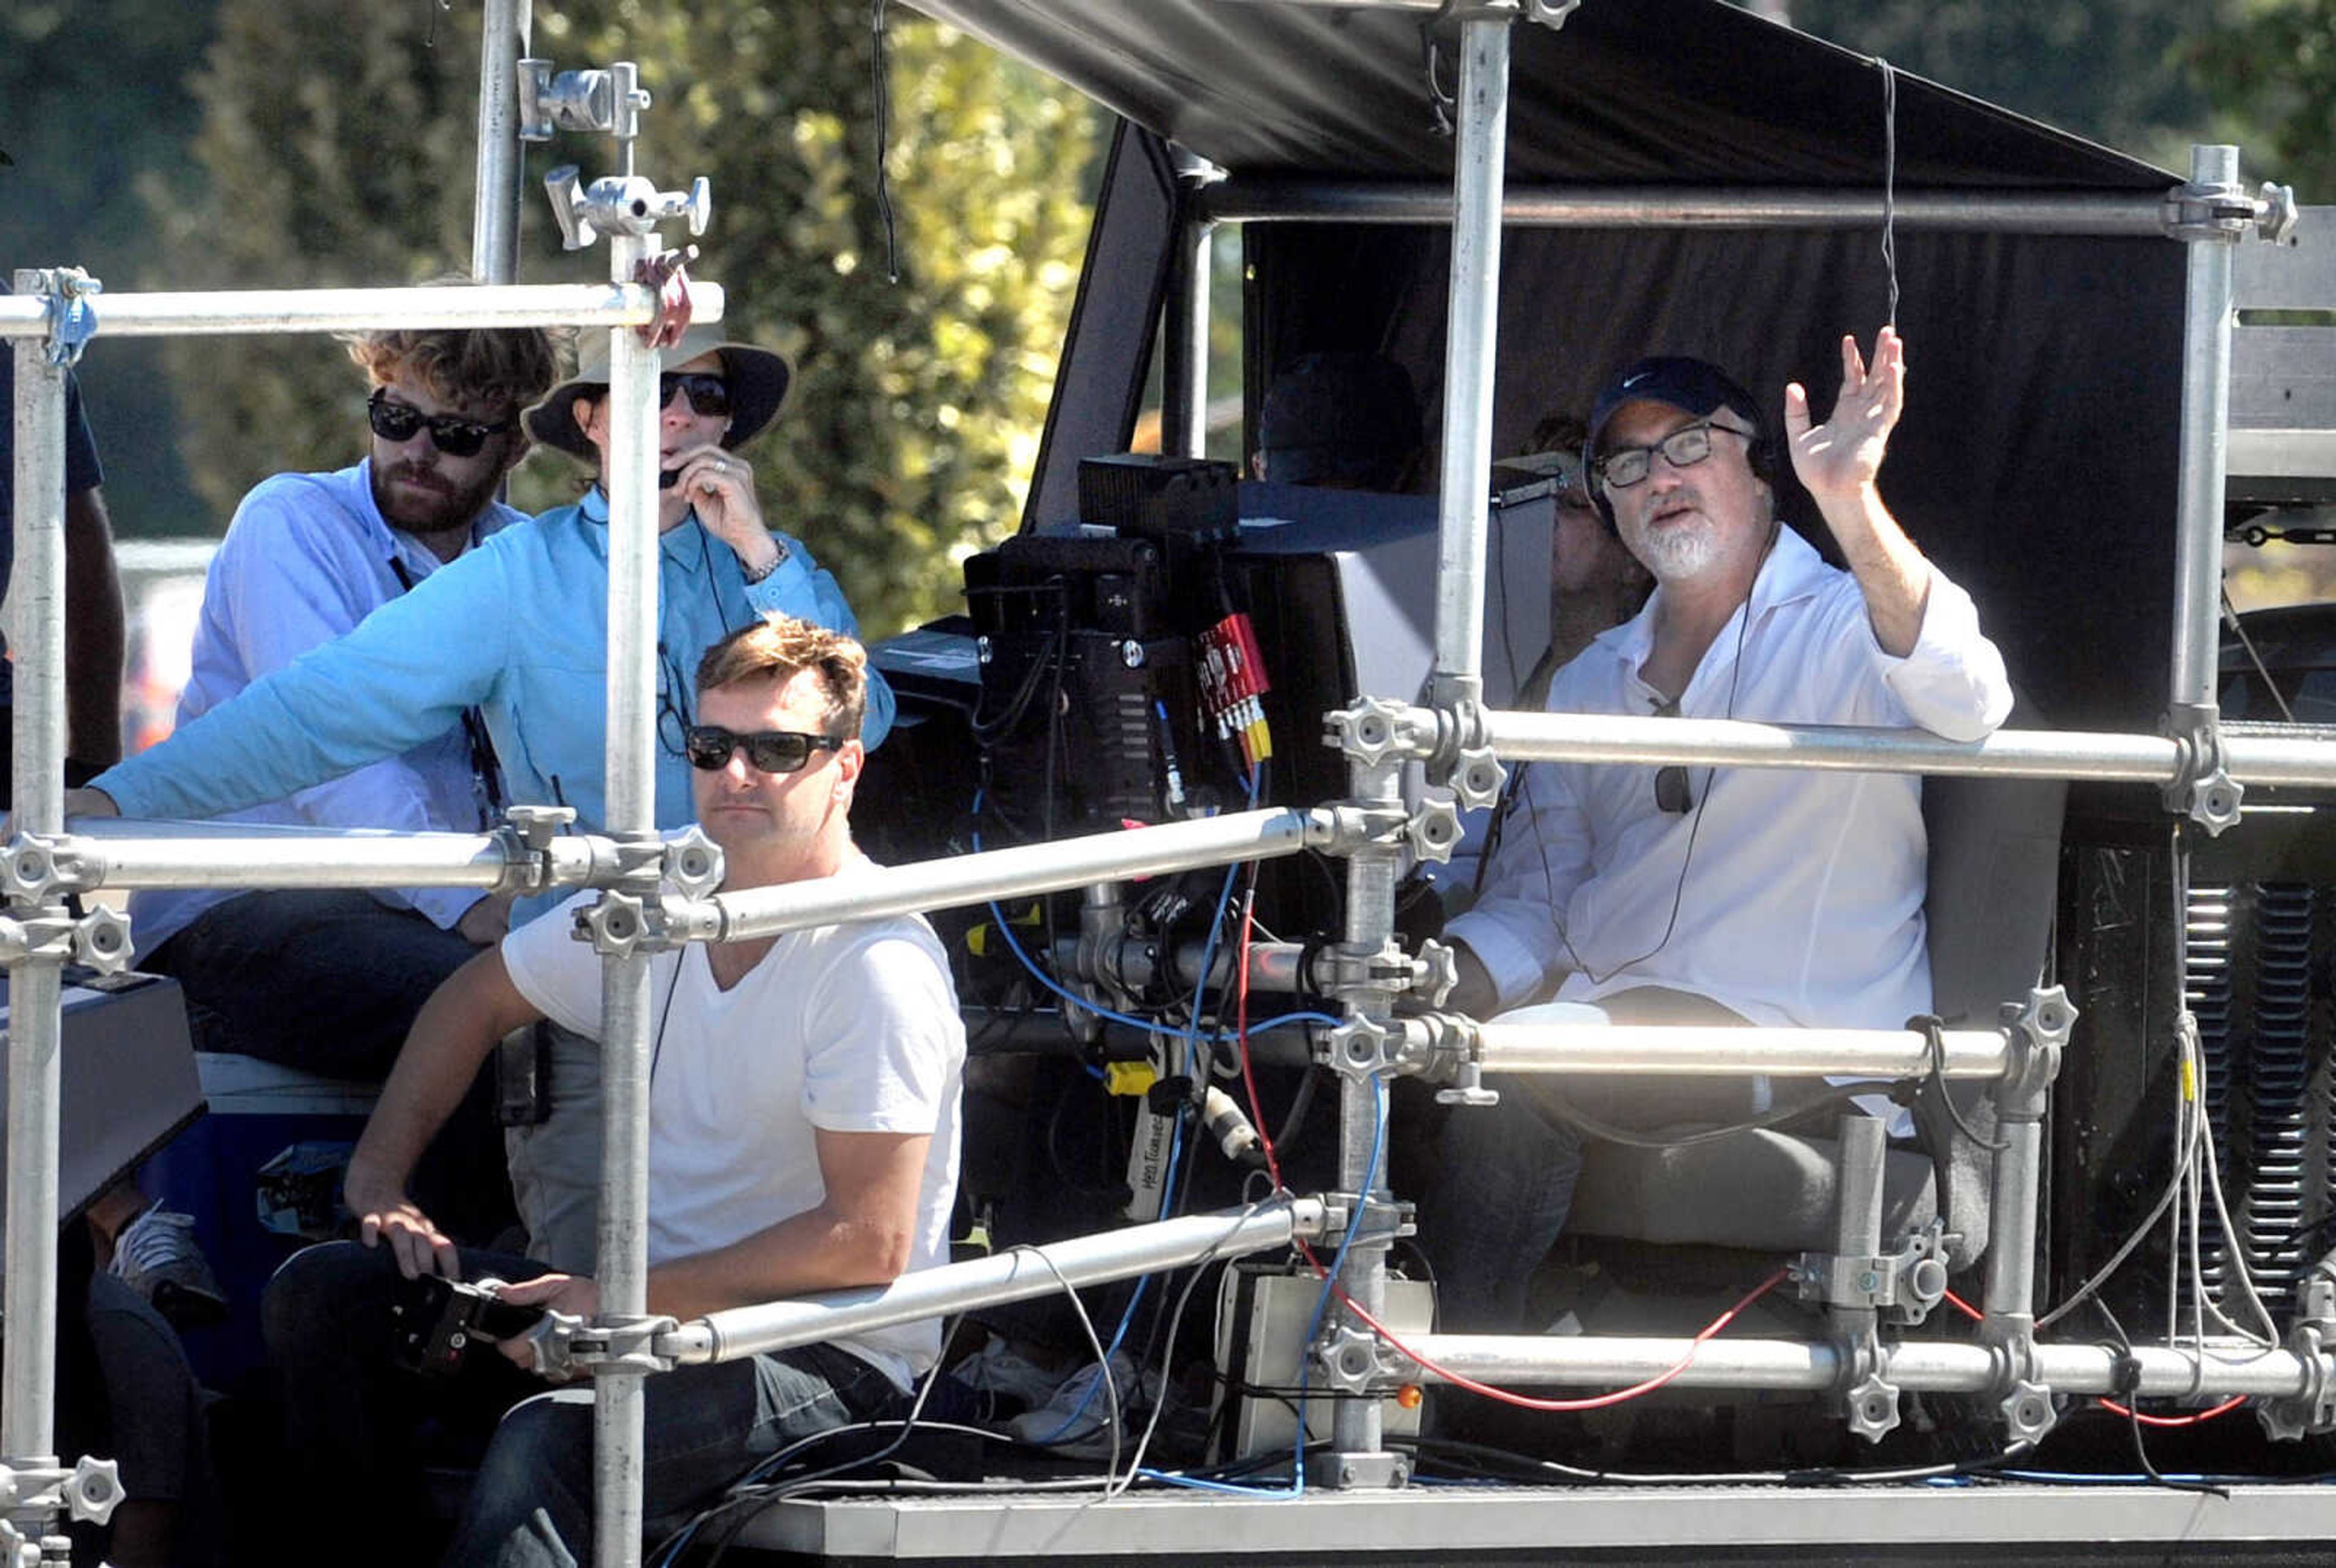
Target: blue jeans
(326, 980)
(705, 1426)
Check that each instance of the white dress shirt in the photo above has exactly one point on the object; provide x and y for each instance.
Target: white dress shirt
(1792, 897)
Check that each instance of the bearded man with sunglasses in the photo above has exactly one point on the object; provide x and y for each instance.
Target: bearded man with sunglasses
(804, 1104)
(1677, 895)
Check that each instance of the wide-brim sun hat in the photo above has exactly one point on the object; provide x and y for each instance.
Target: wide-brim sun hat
(759, 379)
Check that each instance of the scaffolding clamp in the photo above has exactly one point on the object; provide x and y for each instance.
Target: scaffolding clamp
(1903, 1284)
(72, 319)
(1869, 1400)
(1354, 1360)
(39, 868)
(2035, 1035)
(2314, 1409)
(1349, 828)
(1433, 829)
(529, 836)
(88, 1492)
(619, 1346)
(1374, 732)
(2227, 213)
(2203, 788)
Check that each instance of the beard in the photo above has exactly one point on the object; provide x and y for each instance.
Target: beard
(442, 506)
(1677, 551)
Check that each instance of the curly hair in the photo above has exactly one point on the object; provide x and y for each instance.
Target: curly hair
(505, 368)
(776, 648)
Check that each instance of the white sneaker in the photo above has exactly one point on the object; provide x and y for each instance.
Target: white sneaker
(157, 1255)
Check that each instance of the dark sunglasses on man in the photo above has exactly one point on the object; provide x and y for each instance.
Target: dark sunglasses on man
(1672, 793)
(709, 392)
(710, 747)
(400, 423)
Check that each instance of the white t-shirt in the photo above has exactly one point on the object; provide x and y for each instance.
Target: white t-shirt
(852, 1028)
(1791, 897)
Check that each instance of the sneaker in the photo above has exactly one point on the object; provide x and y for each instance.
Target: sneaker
(1002, 1375)
(1076, 1422)
(157, 1255)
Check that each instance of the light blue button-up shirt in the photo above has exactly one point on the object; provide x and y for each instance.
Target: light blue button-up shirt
(516, 628)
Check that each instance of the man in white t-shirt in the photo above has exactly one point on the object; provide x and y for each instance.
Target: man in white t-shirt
(802, 1137)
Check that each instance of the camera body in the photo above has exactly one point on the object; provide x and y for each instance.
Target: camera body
(439, 1320)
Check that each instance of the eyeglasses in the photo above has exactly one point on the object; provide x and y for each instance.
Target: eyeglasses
(709, 392)
(1682, 448)
(1671, 792)
(770, 751)
(400, 422)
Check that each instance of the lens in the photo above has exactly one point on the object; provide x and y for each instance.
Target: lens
(709, 394)
(779, 751)
(709, 746)
(392, 421)
(398, 422)
(1672, 792)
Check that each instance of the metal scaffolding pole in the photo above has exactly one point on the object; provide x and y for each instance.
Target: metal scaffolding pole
(1469, 353)
(503, 33)
(28, 1384)
(1004, 873)
(1184, 374)
(1924, 1365)
(269, 310)
(1693, 1051)
(1021, 1274)
(1746, 742)
(622, 1269)
(2205, 414)
(1273, 200)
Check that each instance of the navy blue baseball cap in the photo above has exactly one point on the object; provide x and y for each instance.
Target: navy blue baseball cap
(1694, 386)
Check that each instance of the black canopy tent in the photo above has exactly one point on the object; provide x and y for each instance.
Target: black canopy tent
(2037, 462)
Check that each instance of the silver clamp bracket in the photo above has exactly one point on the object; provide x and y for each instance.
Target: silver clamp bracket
(2035, 1032)
(1869, 1400)
(2216, 212)
(527, 835)
(2309, 1340)
(1354, 1360)
(72, 319)
(621, 1346)
(1903, 1284)
(1349, 828)
(88, 1492)
(1433, 829)
(1364, 1049)
(1434, 970)
(608, 101)
(1379, 1221)
(1374, 731)
(37, 869)
(2028, 1406)
(2203, 788)
(620, 204)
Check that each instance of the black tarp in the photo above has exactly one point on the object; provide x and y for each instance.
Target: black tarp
(2037, 457)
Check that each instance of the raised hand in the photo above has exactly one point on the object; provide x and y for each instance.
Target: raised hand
(1842, 456)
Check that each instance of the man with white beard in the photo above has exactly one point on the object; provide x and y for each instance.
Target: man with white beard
(1676, 894)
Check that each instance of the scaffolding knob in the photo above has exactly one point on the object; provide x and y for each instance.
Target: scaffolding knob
(564, 187)
(92, 1490)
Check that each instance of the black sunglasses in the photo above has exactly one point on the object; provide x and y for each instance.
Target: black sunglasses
(711, 747)
(708, 391)
(1671, 792)
(400, 423)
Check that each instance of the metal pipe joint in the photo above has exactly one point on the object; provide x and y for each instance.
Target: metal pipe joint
(2202, 788)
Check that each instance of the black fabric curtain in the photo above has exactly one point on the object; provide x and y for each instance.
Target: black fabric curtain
(2036, 460)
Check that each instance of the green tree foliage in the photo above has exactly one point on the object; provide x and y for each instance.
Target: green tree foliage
(339, 142)
(93, 104)
(2116, 73)
(2276, 68)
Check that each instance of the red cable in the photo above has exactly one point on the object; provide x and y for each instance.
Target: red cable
(2224, 1408)
(1523, 1401)
(1240, 1030)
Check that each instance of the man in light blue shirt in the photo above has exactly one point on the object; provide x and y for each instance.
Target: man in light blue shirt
(329, 981)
